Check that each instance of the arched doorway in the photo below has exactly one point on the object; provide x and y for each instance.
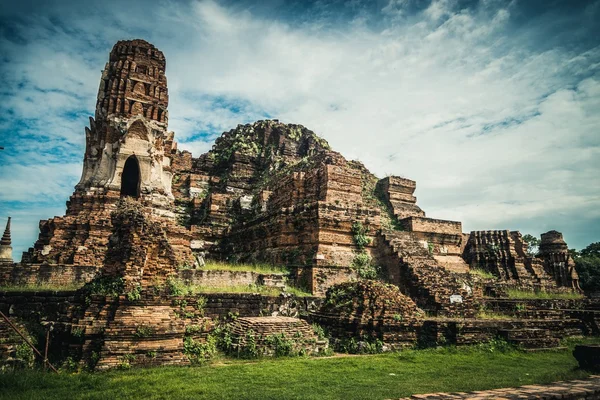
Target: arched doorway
(130, 179)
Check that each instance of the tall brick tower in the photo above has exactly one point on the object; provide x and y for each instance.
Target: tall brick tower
(128, 146)
(128, 154)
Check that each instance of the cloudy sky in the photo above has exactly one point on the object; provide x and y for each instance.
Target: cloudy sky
(493, 107)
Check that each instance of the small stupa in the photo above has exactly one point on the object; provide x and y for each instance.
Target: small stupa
(5, 248)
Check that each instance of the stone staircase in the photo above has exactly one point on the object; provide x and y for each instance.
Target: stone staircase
(9, 341)
(434, 288)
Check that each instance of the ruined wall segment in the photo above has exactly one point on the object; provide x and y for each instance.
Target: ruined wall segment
(504, 254)
(399, 192)
(557, 261)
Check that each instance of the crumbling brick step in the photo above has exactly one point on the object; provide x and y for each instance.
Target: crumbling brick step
(570, 390)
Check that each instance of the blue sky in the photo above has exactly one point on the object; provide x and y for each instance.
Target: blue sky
(493, 107)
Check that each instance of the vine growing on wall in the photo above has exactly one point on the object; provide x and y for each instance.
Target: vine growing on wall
(362, 262)
(359, 235)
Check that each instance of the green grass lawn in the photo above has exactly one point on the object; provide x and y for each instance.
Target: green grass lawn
(389, 375)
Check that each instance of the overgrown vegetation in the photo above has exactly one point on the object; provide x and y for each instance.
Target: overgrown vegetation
(177, 287)
(587, 264)
(200, 352)
(362, 262)
(39, 287)
(524, 294)
(260, 268)
(533, 244)
(364, 345)
(482, 273)
(389, 375)
(135, 294)
(105, 286)
(143, 331)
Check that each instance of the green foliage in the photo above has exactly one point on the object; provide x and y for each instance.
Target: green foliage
(151, 354)
(587, 265)
(135, 294)
(261, 268)
(592, 249)
(193, 329)
(143, 331)
(25, 353)
(198, 352)
(200, 304)
(361, 260)
(248, 348)
(125, 361)
(365, 345)
(281, 345)
(176, 287)
(319, 331)
(533, 244)
(105, 286)
(430, 248)
(496, 345)
(362, 263)
(39, 287)
(524, 294)
(482, 273)
(77, 332)
(359, 235)
(69, 365)
(94, 358)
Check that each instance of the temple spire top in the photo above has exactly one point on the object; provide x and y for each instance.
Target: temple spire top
(5, 241)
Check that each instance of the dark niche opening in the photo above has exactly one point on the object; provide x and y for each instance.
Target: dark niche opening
(130, 179)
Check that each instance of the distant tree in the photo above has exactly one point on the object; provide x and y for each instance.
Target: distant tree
(573, 253)
(592, 250)
(587, 265)
(533, 244)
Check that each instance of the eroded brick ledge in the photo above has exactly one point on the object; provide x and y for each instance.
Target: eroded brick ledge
(571, 390)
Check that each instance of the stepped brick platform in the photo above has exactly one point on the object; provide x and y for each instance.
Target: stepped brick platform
(262, 329)
(568, 390)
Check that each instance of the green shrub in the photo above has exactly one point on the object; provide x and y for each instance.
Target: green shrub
(359, 235)
(105, 286)
(25, 353)
(319, 331)
(125, 361)
(176, 287)
(199, 353)
(362, 264)
(135, 293)
(143, 331)
(248, 348)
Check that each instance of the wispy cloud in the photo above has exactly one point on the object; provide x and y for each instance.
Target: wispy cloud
(490, 105)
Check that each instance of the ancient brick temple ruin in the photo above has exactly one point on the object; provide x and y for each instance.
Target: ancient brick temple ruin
(266, 192)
